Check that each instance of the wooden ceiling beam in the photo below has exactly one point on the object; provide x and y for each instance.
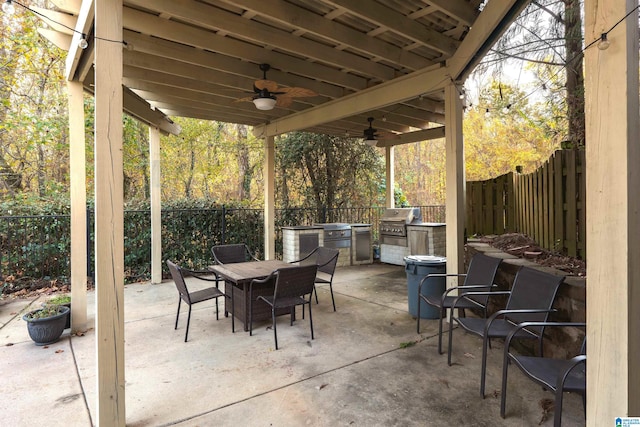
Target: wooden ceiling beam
(292, 15)
(179, 52)
(138, 108)
(417, 136)
(398, 23)
(69, 6)
(84, 26)
(152, 25)
(58, 21)
(461, 10)
(216, 19)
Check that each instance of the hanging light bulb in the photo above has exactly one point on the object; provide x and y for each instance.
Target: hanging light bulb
(506, 108)
(8, 7)
(82, 43)
(487, 113)
(603, 44)
(461, 96)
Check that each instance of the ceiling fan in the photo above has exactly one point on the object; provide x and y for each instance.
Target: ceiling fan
(269, 95)
(372, 135)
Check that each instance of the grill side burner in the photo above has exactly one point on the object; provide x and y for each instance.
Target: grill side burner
(393, 225)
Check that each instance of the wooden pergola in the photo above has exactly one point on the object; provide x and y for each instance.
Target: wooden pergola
(401, 60)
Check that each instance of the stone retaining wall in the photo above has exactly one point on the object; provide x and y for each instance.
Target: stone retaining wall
(570, 301)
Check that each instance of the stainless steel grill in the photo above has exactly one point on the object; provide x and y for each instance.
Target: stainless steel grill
(336, 235)
(393, 225)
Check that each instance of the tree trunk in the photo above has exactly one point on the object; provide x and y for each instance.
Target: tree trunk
(575, 76)
(244, 171)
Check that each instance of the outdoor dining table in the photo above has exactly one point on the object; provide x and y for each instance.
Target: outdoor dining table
(238, 277)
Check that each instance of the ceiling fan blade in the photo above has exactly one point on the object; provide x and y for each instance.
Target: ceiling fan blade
(246, 98)
(297, 92)
(386, 135)
(283, 101)
(269, 85)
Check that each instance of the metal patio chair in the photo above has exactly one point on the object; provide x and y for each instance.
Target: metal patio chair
(557, 375)
(479, 277)
(292, 285)
(326, 259)
(178, 274)
(530, 300)
(229, 254)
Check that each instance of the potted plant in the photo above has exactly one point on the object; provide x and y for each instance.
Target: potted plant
(45, 325)
(62, 300)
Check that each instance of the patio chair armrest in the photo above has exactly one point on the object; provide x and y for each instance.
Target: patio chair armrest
(252, 256)
(330, 260)
(523, 325)
(424, 279)
(305, 257)
(200, 274)
(503, 312)
(478, 293)
(448, 290)
(265, 280)
(573, 363)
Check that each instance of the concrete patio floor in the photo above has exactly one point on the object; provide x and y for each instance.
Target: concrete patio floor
(355, 372)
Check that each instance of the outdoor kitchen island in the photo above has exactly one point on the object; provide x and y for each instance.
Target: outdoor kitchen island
(402, 233)
(353, 241)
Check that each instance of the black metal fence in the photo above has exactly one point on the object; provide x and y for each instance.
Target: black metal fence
(37, 247)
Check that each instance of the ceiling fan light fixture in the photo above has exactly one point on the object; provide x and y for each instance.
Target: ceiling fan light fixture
(372, 142)
(264, 103)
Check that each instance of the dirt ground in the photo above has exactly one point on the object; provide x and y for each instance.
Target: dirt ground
(523, 246)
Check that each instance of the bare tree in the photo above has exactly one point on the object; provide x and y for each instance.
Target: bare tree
(549, 33)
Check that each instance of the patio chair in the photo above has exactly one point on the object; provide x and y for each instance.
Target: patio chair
(479, 277)
(326, 259)
(557, 375)
(530, 300)
(178, 274)
(292, 284)
(229, 254)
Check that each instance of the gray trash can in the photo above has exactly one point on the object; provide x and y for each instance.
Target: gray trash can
(417, 267)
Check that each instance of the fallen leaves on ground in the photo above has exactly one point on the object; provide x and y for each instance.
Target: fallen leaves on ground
(547, 406)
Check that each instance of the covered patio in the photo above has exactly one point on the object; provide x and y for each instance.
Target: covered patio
(355, 372)
(401, 62)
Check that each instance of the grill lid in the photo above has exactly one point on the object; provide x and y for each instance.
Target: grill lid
(404, 215)
(330, 226)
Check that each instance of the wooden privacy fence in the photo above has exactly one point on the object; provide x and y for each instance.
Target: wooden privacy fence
(548, 205)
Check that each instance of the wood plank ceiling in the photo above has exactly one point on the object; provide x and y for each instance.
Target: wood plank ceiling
(195, 58)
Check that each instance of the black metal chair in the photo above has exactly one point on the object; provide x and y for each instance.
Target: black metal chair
(178, 274)
(292, 284)
(326, 259)
(229, 254)
(530, 300)
(557, 375)
(479, 277)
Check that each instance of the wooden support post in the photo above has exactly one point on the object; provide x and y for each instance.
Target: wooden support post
(109, 230)
(156, 212)
(78, 190)
(455, 181)
(613, 210)
(391, 176)
(269, 198)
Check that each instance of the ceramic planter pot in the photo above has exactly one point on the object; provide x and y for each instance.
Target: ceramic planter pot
(49, 329)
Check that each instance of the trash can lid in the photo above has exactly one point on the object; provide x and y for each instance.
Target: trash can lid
(425, 259)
